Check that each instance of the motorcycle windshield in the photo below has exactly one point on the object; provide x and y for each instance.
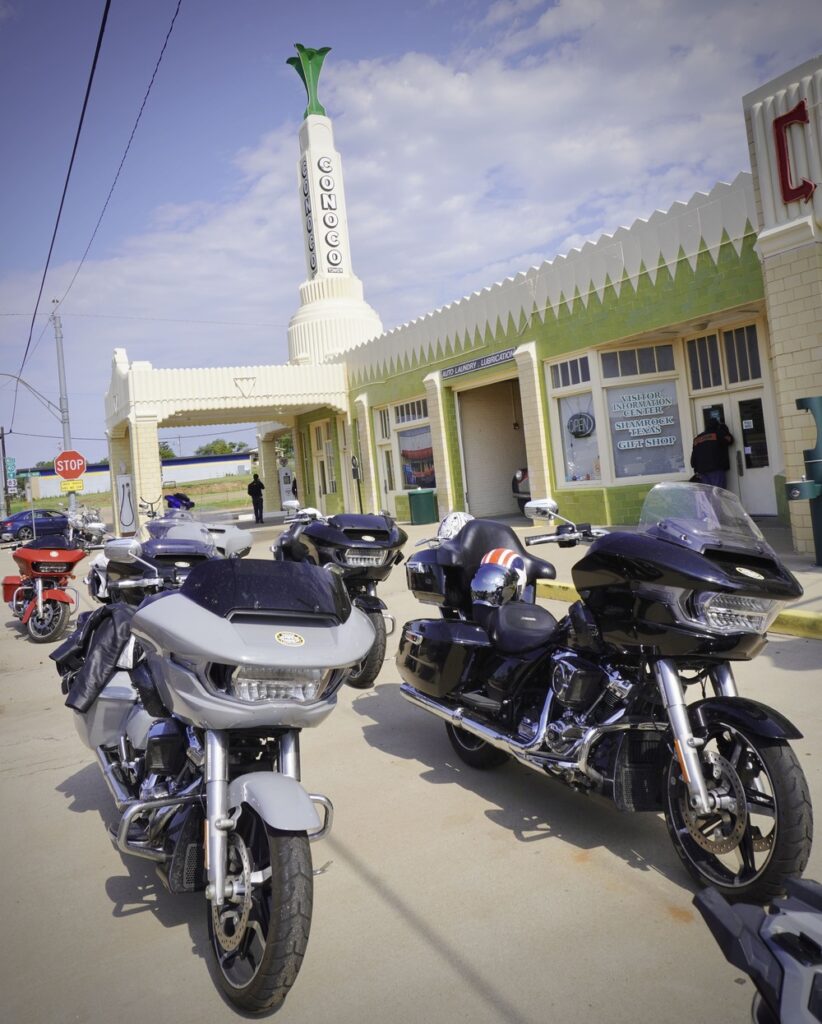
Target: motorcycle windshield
(227, 585)
(171, 530)
(698, 516)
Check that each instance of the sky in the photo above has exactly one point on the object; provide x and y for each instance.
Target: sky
(478, 138)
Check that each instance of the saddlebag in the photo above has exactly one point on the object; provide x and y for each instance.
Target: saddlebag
(434, 654)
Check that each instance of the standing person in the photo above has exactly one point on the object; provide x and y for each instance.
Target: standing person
(710, 456)
(255, 489)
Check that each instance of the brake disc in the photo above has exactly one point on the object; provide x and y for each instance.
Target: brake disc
(231, 919)
(721, 830)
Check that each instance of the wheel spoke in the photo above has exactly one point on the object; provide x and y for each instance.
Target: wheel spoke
(746, 852)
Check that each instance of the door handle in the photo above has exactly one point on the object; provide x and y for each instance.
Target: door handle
(740, 468)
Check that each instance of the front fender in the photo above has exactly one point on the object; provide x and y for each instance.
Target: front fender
(369, 603)
(55, 595)
(748, 715)
(280, 800)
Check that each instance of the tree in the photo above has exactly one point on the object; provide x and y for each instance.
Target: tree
(221, 447)
(166, 451)
(285, 446)
(45, 464)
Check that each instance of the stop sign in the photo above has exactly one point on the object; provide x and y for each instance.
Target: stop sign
(70, 465)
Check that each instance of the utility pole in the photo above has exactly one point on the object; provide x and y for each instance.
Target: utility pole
(5, 507)
(61, 377)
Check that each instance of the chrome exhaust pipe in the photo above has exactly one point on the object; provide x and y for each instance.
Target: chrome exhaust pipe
(495, 737)
(528, 752)
(121, 796)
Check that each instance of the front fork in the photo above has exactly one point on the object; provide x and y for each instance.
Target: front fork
(218, 821)
(686, 745)
(38, 590)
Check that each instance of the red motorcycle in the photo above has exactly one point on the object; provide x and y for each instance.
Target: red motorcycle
(40, 596)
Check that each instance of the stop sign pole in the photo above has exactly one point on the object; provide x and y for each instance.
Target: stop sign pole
(61, 377)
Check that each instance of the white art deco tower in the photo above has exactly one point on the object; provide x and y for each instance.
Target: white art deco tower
(333, 315)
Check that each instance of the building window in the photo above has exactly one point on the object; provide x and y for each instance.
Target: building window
(635, 362)
(742, 354)
(580, 445)
(388, 462)
(408, 412)
(384, 424)
(703, 362)
(570, 372)
(416, 457)
(645, 433)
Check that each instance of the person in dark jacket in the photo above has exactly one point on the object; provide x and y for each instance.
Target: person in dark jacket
(710, 456)
(255, 489)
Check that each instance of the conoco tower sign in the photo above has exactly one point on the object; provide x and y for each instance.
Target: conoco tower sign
(333, 315)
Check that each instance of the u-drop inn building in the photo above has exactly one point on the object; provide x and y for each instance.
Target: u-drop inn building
(595, 369)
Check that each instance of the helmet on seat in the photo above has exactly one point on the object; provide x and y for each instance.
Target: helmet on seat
(494, 585)
(452, 524)
(508, 559)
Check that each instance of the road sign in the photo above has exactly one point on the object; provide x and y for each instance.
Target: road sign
(66, 486)
(11, 466)
(70, 465)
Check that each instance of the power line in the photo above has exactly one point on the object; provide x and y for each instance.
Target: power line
(63, 197)
(125, 154)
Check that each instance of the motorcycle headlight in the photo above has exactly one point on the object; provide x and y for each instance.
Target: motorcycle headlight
(364, 557)
(253, 683)
(735, 613)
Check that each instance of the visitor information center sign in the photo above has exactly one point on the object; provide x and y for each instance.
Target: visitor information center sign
(645, 434)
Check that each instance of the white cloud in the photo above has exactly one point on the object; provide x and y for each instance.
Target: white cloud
(554, 124)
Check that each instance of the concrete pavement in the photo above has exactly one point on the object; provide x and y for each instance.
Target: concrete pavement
(447, 895)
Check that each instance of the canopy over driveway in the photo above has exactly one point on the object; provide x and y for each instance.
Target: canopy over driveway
(141, 399)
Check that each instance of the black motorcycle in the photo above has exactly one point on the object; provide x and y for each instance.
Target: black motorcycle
(598, 698)
(364, 548)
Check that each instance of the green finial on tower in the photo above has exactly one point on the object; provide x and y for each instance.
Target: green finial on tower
(308, 65)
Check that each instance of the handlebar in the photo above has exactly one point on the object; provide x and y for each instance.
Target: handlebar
(570, 538)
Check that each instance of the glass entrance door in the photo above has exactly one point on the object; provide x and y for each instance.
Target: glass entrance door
(751, 471)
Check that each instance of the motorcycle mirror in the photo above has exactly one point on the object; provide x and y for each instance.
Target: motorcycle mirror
(235, 545)
(124, 550)
(541, 508)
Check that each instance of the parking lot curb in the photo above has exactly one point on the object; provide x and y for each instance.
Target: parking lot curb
(793, 623)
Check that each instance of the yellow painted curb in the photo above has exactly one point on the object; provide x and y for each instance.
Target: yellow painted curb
(804, 624)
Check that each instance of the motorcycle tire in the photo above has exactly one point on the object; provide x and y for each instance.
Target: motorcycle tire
(258, 942)
(744, 856)
(363, 677)
(474, 751)
(51, 624)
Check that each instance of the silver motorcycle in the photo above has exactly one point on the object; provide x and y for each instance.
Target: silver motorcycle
(193, 704)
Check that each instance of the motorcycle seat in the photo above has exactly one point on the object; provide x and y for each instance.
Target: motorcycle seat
(478, 537)
(519, 626)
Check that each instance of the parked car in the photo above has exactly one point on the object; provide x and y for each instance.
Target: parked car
(521, 487)
(19, 525)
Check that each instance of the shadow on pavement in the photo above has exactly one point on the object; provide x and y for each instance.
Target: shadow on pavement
(533, 808)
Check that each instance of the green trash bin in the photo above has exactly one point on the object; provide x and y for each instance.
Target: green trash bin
(423, 505)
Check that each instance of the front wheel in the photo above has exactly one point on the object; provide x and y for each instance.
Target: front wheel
(259, 935)
(51, 624)
(364, 675)
(760, 833)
